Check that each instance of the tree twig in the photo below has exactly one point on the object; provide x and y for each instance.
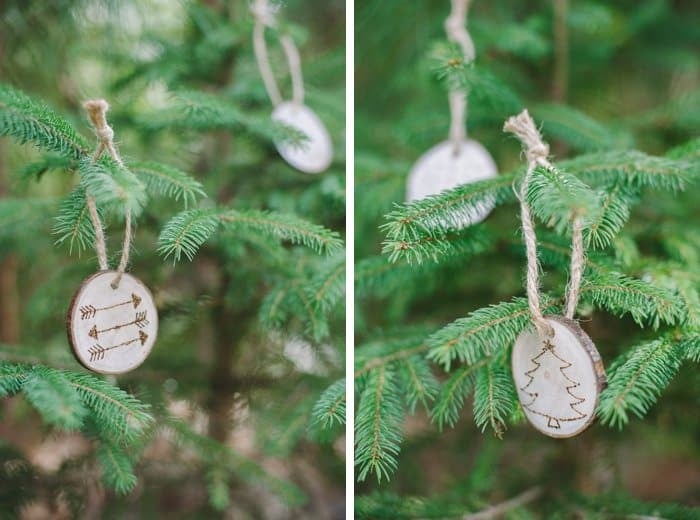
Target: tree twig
(499, 509)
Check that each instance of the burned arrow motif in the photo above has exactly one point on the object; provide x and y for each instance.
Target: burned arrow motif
(89, 311)
(140, 321)
(97, 352)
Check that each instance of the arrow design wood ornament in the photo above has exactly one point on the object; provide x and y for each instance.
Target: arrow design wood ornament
(112, 330)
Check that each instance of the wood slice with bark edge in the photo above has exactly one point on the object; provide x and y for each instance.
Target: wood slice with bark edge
(580, 383)
(112, 331)
(313, 155)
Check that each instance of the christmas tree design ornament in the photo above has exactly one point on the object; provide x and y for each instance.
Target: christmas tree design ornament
(557, 370)
(314, 153)
(458, 160)
(112, 320)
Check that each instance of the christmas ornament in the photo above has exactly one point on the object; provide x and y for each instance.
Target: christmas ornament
(112, 320)
(458, 160)
(557, 371)
(313, 156)
(315, 153)
(112, 330)
(559, 378)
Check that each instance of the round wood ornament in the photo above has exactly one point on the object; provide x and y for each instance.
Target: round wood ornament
(558, 379)
(112, 330)
(442, 168)
(316, 153)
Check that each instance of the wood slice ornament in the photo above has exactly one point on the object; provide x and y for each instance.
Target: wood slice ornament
(315, 154)
(557, 371)
(558, 379)
(112, 330)
(443, 167)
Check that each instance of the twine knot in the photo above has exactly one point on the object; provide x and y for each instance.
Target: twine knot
(97, 114)
(523, 127)
(263, 12)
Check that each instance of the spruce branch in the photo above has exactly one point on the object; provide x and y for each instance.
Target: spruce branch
(418, 382)
(192, 110)
(578, 129)
(168, 181)
(454, 393)
(117, 469)
(285, 227)
(378, 425)
(12, 378)
(188, 230)
(483, 333)
(603, 226)
(327, 286)
(635, 383)
(119, 416)
(620, 294)
(631, 169)
(53, 395)
(482, 86)
(73, 225)
(114, 187)
(426, 221)
(555, 196)
(494, 396)
(329, 410)
(28, 120)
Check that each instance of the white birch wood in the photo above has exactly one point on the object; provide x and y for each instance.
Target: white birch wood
(440, 168)
(111, 330)
(313, 155)
(558, 380)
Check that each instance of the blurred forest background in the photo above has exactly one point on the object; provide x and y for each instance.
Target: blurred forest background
(597, 76)
(244, 350)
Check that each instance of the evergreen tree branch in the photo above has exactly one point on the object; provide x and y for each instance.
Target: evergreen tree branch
(454, 393)
(631, 169)
(114, 187)
(73, 224)
(620, 294)
(330, 407)
(52, 394)
(494, 396)
(555, 196)
(285, 227)
(603, 226)
(28, 120)
(635, 383)
(117, 469)
(418, 382)
(188, 230)
(378, 425)
(483, 333)
(166, 180)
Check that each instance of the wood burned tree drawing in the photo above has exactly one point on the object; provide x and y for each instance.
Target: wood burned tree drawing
(549, 379)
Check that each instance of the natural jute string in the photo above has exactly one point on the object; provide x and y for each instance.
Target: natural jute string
(536, 152)
(265, 17)
(97, 113)
(455, 27)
